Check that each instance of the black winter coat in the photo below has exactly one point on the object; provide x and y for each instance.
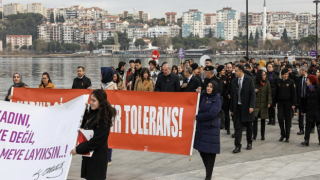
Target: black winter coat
(298, 90)
(207, 137)
(311, 105)
(192, 85)
(170, 83)
(248, 98)
(95, 167)
(214, 78)
(285, 91)
(226, 85)
(83, 83)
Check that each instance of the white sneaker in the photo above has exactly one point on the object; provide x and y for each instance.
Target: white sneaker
(109, 163)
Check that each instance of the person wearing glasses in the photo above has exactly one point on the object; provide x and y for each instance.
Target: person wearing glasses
(46, 82)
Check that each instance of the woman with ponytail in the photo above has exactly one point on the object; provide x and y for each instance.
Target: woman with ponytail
(98, 118)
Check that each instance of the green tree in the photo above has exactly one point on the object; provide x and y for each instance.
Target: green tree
(57, 19)
(0, 14)
(30, 47)
(40, 45)
(24, 47)
(58, 46)
(73, 47)
(16, 47)
(109, 41)
(61, 19)
(139, 42)
(91, 47)
(51, 18)
(256, 39)
(123, 40)
(178, 46)
(251, 37)
(210, 33)
(285, 36)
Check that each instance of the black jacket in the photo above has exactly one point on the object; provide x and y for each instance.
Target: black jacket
(298, 90)
(226, 85)
(273, 84)
(170, 83)
(83, 83)
(192, 85)
(311, 104)
(214, 78)
(248, 98)
(285, 91)
(95, 167)
(133, 77)
(9, 91)
(293, 77)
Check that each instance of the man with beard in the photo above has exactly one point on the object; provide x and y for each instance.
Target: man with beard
(134, 75)
(229, 72)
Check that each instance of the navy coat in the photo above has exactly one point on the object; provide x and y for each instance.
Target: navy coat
(207, 138)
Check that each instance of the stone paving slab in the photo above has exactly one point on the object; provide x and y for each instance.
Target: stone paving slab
(255, 164)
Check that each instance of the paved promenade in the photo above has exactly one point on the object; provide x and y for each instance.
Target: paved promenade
(269, 160)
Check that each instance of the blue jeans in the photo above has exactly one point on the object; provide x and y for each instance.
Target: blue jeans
(109, 155)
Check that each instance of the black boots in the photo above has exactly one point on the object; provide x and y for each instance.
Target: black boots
(237, 149)
(301, 132)
(305, 143)
(281, 139)
(270, 122)
(249, 147)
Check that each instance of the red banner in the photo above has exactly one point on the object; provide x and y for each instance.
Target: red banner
(145, 121)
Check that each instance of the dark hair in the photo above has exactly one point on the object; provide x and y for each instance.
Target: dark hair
(208, 60)
(174, 66)
(131, 61)
(118, 78)
(153, 62)
(246, 58)
(305, 63)
(289, 66)
(47, 74)
(81, 68)
(137, 61)
(286, 57)
(315, 71)
(270, 64)
(217, 64)
(121, 63)
(143, 71)
(105, 111)
(187, 61)
(259, 77)
(239, 66)
(298, 64)
(247, 66)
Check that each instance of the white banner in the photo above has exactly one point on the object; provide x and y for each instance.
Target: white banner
(35, 142)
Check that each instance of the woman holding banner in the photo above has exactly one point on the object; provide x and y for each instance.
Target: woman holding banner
(99, 119)
(144, 82)
(17, 82)
(207, 137)
(46, 82)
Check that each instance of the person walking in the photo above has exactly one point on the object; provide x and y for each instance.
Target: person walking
(119, 81)
(82, 81)
(211, 77)
(263, 102)
(46, 82)
(144, 82)
(17, 82)
(107, 75)
(191, 83)
(311, 107)
(226, 86)
(167, 81)
(301, 94)
(207, 136)
(98, 118)
(286, 98)
(272, 77)
(242, 106)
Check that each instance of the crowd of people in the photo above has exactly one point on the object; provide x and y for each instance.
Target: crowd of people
(242, 91)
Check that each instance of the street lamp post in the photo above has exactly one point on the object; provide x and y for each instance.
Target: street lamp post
(247, 16)
(316, 1)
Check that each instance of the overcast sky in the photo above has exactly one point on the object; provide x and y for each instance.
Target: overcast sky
(157, 8)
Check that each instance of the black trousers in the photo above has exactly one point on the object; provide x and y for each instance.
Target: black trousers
(284, 118)
(309, 127)
(255, 127)
(226, 108)
(208, 160)
(239, 126)
(301, 119)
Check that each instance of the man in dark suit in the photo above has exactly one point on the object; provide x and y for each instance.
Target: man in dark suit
(82, 81)
(191, 83)
(168, 81)
(301, 85)
(242, 106)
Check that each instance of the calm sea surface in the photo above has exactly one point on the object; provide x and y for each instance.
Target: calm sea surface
(62, 70)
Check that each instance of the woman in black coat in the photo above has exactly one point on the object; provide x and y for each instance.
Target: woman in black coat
(17, 82)
(99, 119)
(311, 107)
(207, 137)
